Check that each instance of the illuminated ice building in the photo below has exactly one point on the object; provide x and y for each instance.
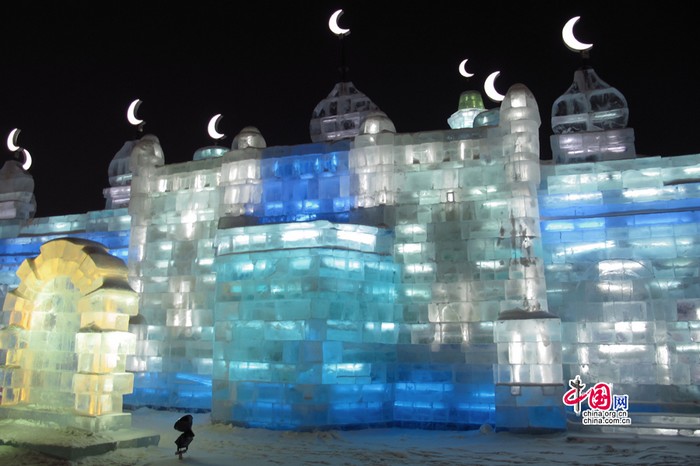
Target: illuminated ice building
(437, 279)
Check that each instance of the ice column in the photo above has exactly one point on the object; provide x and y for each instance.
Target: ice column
(175, 210)
(528, 338)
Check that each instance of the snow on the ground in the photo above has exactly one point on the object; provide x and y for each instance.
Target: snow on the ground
(223, 444)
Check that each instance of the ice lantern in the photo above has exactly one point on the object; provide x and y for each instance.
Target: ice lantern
(65, 340)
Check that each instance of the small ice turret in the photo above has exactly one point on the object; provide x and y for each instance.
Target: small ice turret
(16, 192)
(589, 120)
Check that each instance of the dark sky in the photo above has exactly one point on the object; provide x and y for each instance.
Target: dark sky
(71, 68)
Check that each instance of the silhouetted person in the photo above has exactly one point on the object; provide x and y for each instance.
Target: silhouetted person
(184, 425)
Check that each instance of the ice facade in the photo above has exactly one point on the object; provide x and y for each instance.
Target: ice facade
(435, 279)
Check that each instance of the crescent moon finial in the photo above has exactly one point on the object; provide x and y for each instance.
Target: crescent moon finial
(333, 25)
(463, 70)
(211, 128)
(570, 40)
(27, 160)
(490, 88)
(12, 140)
(131, 113)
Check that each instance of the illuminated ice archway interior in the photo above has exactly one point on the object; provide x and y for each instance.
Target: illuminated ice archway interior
(64, 347)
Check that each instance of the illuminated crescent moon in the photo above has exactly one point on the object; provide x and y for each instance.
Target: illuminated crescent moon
(27, 159)
(333, 24)
(131, 113)
(490, 88)
(567, 33)
(12, 140)
(463, 70)
(211, 129)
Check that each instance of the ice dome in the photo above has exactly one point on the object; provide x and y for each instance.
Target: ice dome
(13, 178)
(147, 151)
(590, 104)
(377, 122)
(342, 114)
(471, 103)
(249, 137)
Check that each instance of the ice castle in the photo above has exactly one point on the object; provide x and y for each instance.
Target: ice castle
(440, 279)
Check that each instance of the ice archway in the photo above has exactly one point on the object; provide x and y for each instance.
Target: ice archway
(65, 342)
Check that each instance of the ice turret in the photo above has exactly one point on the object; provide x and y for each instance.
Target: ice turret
(122, 166)
(249, 137)
(341, 114)
(16, 192)
(589, 122)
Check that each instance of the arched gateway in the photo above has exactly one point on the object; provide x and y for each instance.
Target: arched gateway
(65, 339)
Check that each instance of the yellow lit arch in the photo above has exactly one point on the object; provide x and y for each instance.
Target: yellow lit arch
(66, 338)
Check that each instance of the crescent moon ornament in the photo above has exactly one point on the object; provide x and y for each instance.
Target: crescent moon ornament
(27, 160)
(12, 140)
(567, 33)
(211, 128)
(131, 113)
(333, 25)
(463, 70)
(490, 89)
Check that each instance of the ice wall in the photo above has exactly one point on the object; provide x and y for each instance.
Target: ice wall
(306, 326)
(622, 250)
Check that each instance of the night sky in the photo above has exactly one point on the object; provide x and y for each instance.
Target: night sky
(71, 68)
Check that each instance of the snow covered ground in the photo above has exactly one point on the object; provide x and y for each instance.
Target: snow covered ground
(220, 444)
